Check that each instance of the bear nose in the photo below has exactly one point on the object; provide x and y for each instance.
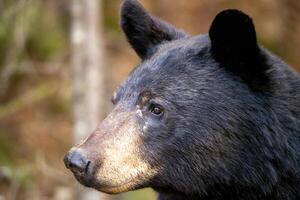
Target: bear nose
(76, 162)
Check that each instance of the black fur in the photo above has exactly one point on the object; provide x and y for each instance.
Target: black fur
(144, 32)
(231, 123)
(234, 45)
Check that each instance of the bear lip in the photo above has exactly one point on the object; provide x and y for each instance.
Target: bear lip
(84, 178)
(126, 186)
(106, 188)
(88, 180)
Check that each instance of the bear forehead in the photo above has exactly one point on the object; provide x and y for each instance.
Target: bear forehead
(170, 61)
(181, 47)
(175, 63)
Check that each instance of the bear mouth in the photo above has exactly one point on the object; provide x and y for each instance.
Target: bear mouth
(90, 181)
(117, 189)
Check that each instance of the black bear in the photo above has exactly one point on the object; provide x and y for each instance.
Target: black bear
(213, 116)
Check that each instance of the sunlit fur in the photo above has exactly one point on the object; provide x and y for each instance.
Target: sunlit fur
(114, 149)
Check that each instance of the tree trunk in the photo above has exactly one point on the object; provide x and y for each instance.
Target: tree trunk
(88, 80)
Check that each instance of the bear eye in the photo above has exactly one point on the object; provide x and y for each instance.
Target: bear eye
(156, 109)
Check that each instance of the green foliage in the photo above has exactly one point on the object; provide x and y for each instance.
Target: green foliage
(33, 96)
(111, 20)
(145, 194)
(46, 39)
(5, 38)
(44, 35)
(22, 175)
(56, 105)
(5, 150)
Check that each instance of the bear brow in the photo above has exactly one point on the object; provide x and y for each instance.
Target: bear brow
(145, 97)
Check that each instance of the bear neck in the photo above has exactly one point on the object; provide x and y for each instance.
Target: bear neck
(284, 190)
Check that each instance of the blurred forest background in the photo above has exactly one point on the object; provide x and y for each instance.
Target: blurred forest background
(36, 122)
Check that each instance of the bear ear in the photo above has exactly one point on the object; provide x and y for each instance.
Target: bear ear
(144, 31)
(234, 46)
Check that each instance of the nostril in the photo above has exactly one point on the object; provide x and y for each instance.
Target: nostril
(76, 162)
(87, 166)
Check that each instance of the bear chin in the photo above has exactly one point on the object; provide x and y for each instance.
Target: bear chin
(109, 187)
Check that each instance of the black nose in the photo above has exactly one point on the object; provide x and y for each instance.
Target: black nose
(76, 162)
